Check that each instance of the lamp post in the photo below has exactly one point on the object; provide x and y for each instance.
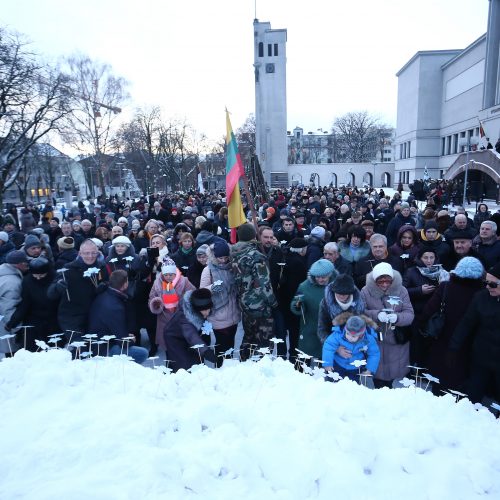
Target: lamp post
(466, 143)
(147, 171)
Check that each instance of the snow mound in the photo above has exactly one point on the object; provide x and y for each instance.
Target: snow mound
(110, 429)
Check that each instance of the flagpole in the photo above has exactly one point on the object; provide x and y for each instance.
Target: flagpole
(250, 202)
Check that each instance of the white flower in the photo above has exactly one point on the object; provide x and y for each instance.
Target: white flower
(129, 258)
(276, 340)
(495, 406)
(7, 336)
(393, 301)
(334, 375)
(358, 363)
(113, 260)
(198, 346)
(406, 382)
(108, 337)
(405, 256)
(264, 350)
(207, 328)
(430, 378)
(89, 336)
(218, 283)
(42, 345)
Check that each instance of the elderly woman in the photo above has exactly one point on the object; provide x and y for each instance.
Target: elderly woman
(218, 277)
(306, 304)
(387, 302)
(168, 289)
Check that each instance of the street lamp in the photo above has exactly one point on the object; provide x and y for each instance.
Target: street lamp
(467, 143)
(147, 171)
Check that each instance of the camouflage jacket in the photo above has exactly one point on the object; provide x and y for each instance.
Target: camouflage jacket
(255, 292)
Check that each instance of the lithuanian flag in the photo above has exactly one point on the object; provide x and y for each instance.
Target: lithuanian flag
(234, 170)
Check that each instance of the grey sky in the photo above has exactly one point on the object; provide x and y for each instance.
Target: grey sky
(194, 57)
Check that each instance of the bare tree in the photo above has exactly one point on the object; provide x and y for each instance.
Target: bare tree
(358, 137)
(96, 96)
(33, 102)
(245, 136)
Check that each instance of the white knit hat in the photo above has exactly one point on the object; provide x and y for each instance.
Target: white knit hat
(382, 269)
(121, 240)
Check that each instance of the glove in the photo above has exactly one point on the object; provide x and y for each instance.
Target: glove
(209, 355)
(392, 318)
(143, 252)
(383, 317)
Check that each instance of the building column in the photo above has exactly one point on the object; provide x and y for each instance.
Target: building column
(491, 89)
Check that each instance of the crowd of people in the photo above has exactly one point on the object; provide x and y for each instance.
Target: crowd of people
(347, 279)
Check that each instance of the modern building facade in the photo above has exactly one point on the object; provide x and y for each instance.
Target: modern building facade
(446, 99)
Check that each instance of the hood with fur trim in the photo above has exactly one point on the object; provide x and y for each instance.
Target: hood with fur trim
(341, 319)
(195, 318)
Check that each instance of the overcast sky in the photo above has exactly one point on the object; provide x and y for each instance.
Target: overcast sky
(194, 57)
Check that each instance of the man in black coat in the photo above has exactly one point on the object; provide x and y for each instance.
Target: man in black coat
(75, 289)
(461, 246)
(481, 320)
(109, 315)
(331, 253)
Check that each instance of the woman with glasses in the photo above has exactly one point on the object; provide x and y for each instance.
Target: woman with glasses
(481, 322)
(388, 303)
(465, 281)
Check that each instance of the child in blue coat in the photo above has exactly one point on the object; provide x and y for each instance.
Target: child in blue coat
(357, 341)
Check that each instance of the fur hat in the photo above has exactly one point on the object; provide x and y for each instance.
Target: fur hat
(121, 240)
(318, 232)
(494, 271)
(168, 266)
(16, 257)
(469, 267)
(65, 243)
(355, 325)
(321, 267)
(31, 241)
(201, 299)
(246, 232)
(343, 285)
(40, 265)
(4, 236)
(382, 269)
(220, 248)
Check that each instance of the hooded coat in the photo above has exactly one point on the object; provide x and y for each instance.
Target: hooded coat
(181, 333)
(329, 309)
(11, 279)
(407, 255)
(394, 226)
(225, 313)
(181, 286)
(458, 294)
(313, 294)
(394, 358)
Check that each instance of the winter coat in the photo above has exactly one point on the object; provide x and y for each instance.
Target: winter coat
(366, 265)
(183, 260)
(407, 255)
(343, 266)
(181, 286)
(74, 306)
(255, 293)
(481, 321)
(480, 217)
(65, 257)
(394, 358)
(488, 250)
(11, 280)
(366, 348)
(459, 294)
(26, 221)
(36, 309)
(439, 246)
(6, 248)
(394, 226)
(329, 309)
(181, 333)
(346, 251)
(129, 262)
(291, 275)
(314, 250)
(108, 314)
(226, 311)
(313, 294)
(413, 281)
(194, 272)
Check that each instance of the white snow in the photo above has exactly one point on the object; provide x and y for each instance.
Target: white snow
(110, 429)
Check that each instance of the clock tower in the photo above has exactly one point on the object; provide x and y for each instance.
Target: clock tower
(270, 102)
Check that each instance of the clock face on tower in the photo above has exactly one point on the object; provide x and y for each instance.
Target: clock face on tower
(270, 68)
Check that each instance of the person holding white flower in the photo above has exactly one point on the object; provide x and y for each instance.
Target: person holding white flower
(75, 288)
(388, 303)
(359, 338)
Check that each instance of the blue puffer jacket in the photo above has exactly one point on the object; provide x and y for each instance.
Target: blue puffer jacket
(365, 348)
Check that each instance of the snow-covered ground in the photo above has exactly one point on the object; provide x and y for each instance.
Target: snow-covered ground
(110, 429)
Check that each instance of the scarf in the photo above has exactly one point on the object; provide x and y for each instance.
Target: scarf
(345, 305)
(169, 295)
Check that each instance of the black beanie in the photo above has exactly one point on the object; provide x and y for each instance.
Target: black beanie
(40, 265)
(246, 232)
(430, 224)
(201, 299)
(221, 248)
(343, 285)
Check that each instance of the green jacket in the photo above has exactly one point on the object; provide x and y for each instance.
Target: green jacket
(308, 338)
